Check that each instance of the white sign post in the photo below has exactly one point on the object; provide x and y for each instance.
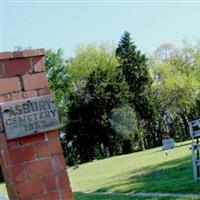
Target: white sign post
(194, 128)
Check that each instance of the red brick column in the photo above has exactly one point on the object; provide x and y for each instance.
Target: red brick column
(33, 166)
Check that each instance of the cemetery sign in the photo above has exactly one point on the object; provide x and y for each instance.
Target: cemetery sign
(29, 116)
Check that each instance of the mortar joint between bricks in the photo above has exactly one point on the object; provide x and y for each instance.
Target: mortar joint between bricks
(2, 65)
(57, 181)
(26, 171)
(53, 162)
(37, 91)
(60, 195)
(34, 72)
(46, 136)
(44, 186)
(31, 70)
(10, 96)
(13, 186)
(36, 153)
(28, 144)
(21, 83)
(20, 143)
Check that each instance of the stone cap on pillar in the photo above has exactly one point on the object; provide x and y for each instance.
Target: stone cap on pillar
(22, 54)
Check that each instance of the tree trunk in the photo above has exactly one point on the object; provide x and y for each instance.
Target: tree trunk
(107, 152)
(141, 144)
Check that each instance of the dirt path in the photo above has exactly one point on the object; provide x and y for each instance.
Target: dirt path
(150, 194)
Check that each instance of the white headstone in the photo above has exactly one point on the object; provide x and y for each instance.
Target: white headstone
(168, 144)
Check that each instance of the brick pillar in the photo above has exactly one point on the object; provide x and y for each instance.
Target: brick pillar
(33, 166)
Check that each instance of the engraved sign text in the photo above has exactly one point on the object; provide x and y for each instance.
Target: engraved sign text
(29, 116)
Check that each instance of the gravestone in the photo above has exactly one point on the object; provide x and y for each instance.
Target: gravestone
(168, 144)
(31, 155)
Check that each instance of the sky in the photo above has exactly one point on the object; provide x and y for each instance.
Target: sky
(67, 24)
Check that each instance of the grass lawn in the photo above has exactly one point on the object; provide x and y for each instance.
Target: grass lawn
(3, 190)
(148, 171)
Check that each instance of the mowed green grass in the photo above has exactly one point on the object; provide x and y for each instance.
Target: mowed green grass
(147, 171)
(3, 190)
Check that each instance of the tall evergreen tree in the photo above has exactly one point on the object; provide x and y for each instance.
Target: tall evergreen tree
(90, 111)
(135, 70)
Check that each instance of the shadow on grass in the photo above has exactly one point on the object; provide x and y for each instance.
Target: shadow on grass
(170, 176)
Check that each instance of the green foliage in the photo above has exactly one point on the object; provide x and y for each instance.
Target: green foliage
(108, 103)
(176, 88)
(89, 58)
(56, 67)
(136, 73)
(87, 87)
(90, 112)
(135, 70)
(124, 121)
(134, 65)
